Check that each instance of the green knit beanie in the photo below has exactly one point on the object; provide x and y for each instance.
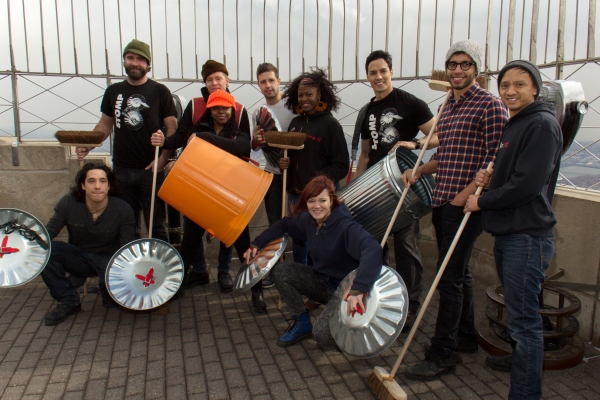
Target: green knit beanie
(140, 48)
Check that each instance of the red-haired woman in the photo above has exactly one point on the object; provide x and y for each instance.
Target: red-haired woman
(338, 245)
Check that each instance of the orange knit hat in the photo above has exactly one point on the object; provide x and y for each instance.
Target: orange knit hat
(220, 98)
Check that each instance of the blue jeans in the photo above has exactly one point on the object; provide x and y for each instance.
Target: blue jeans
(64, 258)
(456, 316)
(136, 190)
(521, 261)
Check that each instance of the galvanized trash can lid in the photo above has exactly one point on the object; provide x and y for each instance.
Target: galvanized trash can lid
(260, 265)
(366, 335)
(24, 247)
(144, 274)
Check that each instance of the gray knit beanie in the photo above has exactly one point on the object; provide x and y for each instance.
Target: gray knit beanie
(532, 70)
(470, 48)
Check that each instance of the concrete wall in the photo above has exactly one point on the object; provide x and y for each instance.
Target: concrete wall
(44, 174)
(46, 170)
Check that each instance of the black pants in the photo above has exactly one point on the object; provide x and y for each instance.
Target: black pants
(456, 315)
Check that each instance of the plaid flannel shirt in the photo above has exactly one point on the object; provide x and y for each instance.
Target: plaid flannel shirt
(469, 131)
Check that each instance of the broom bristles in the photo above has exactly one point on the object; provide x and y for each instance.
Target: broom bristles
(285, 138)
(79, 137)
(384, 389)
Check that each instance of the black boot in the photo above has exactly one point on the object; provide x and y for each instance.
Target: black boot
(195, 278)
(257, 299)
(225, 282)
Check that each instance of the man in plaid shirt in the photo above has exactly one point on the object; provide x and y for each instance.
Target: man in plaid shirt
(469, 131)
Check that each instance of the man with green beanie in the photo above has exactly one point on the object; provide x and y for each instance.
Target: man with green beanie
(136, 108)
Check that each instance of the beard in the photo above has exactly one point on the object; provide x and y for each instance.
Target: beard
(136, 72)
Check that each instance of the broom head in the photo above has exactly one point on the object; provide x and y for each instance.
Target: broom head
(286, 140)
(79, 137)
(383, 388)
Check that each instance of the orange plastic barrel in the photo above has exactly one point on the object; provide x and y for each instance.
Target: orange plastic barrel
(215, 189)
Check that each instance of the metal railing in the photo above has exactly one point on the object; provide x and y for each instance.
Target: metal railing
(57, 56)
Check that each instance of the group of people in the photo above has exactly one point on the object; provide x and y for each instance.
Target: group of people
(517, 132)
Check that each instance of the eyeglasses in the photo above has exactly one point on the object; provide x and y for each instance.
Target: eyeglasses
(465, 65)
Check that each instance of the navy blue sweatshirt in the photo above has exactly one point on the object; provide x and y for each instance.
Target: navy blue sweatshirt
(337, 248)
(518, 199)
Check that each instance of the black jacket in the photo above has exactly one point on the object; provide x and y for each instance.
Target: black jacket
(518, 199)
(337, 248)
(325, 150)
(234, 142)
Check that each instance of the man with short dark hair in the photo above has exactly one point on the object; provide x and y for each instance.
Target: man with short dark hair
(268, 82)
(136, 108)
(517, 211)
(468, 132)
(392, 119)
(99, 224)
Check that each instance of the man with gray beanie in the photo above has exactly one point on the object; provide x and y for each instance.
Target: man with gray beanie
(517, 211)
(137, 107)
(469, 130)
(216, 77)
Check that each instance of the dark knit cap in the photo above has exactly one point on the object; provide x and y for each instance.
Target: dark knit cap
(531, 69)
(212, 66)
(140, 48)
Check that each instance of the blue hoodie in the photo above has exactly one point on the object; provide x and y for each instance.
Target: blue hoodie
(519, 199)
(337, 248)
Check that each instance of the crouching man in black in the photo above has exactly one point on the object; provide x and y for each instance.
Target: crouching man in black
(98, 225)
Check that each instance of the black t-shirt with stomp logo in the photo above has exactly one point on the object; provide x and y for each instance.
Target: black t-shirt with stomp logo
(138, 112)
(396, 117)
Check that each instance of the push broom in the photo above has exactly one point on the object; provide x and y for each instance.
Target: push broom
(80, 139)
(383, 385)
(286, 141)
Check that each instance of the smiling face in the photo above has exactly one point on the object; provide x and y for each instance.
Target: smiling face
(308, 98)
(220, 114)
(461, 80)
(379, 76)
(517, 90)
(136, 66)
(269, 85)
(319, 207)
(96, 187)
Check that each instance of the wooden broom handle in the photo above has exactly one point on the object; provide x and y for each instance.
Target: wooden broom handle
(283, 193)
(153, 195)
(435, 283)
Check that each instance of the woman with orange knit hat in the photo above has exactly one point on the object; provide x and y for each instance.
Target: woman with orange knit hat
(219, 127)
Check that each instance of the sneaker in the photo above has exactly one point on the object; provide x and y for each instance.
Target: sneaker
(433, 366)
(410, 321)
(267, 282)
(300, 328)
(225, 282)
(195, 278)
(499, 363)
(60, 313)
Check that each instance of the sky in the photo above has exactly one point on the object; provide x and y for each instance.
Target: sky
(87, 36)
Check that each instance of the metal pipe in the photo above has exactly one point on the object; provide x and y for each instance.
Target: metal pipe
(535, 17)
(560, 45)
(89, 36)
(591, 37)
(418, 39)
(74, 41)
(499, 35)
(356, 44)
(510, 33)
(488, 36)
(42, 34)
(181, 38)
(15, 91)
(58, 36)
(329, 46)
(25, 33)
